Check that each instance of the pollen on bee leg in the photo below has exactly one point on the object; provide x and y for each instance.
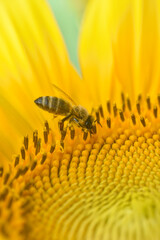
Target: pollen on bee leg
(26, 140)
(143, 121)
(85, 135)
(121, 115)
(108, 122)
(133, 119)
(108, 106)
(101, 111)
(148, 100)
(155, 111)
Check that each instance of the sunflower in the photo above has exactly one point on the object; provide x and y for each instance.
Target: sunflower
(70, 184)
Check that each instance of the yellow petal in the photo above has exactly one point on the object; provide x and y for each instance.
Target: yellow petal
(33, 56)
(120, 40)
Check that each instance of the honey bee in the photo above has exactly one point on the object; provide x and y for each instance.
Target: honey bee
(73, 113)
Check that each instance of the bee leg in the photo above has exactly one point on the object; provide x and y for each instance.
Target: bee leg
(72, 130)
(67, 117)
(61, 122)
(85, 135)
(60, 125)
(98, 122)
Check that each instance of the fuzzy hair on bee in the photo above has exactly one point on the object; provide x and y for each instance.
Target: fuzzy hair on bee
(76, 114)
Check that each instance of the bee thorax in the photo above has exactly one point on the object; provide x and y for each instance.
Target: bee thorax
(80, 112)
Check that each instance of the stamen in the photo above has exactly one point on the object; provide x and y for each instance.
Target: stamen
(45, 134)
(47, 126)
(62, 144)
(143, 121)
(115, 109)
(148, 102)
(44, 156)
(123, 107)
(139, 98)
(6, 177)
(101, 111)
(155, 111)
(121, 115)
(133, 119)
(24, 170)
(61, 125)
(18, 173)
(16, 161)
(122, 157)
(109, 122)
(97, 117)
(1, 171)
(4, 193)
(138, 107)
(109, 106)
(72, 132)
(158, 99)
(10, 202)
(63, 134)
(34, 164)
(25, 203)
(85, 135)
(52, 148)
(123, 97)
(26, 142)
(35, 137)
(23, 153)
(94, 128)
(123, 101)
(129, 104)
(38, 147)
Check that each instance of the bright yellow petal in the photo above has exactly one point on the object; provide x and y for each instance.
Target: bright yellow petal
(33, 56)
(120, 41)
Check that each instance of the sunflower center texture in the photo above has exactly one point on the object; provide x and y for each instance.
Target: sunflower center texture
(103, 186)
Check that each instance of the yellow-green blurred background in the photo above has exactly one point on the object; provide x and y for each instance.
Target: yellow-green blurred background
(68, 14)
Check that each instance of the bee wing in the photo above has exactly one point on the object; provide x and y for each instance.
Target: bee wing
(64, 93)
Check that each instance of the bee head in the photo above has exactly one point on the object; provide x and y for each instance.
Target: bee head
(89, 122)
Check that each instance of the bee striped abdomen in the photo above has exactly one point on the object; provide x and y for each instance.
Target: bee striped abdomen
(54, 105)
